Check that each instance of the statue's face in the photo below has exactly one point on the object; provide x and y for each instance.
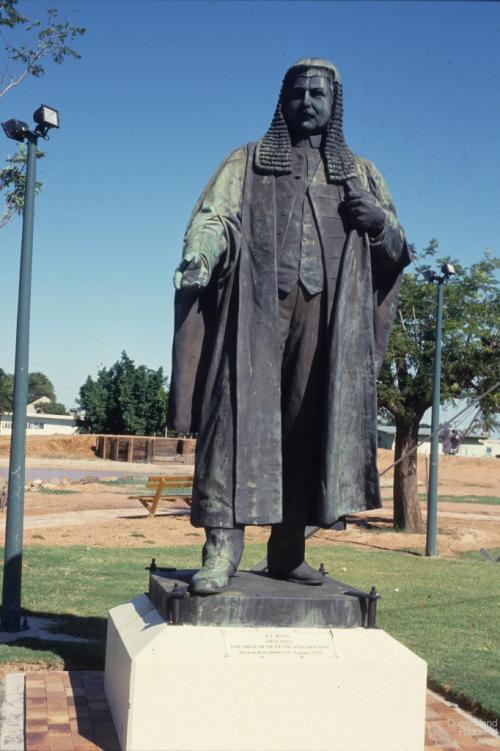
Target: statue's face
(307, 104)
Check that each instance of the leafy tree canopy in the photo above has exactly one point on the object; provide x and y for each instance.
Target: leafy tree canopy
(6, 391)
(40, 385)
(13, 181)
(124, 400)
(470, 362)
(44, 41)
(51, 408)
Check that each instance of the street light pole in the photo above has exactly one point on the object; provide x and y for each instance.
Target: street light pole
(431, 544)
(11, 596)
(11, 591)
(431, 539)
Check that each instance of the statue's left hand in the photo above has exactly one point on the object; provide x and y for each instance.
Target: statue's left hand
(362, 210)
(193, 272)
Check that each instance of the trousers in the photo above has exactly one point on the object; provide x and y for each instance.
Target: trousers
(302, 320)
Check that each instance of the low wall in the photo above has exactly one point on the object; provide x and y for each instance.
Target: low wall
(139, 448)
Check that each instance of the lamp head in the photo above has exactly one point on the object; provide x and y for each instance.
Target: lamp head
(429, 275)
(16, 129)
(46, 117)
(448, 270)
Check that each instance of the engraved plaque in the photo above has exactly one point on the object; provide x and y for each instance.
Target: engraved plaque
(282, 643)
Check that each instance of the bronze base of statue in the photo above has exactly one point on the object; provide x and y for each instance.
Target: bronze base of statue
(258, 599)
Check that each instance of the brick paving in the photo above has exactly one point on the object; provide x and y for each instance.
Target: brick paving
(448, 728)
(67, 711)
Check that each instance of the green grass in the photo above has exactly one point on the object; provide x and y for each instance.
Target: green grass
(445, 610)
(490, 500)
(53, 491)
(139, 480)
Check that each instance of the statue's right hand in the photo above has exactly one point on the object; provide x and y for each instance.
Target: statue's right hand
(192, 272)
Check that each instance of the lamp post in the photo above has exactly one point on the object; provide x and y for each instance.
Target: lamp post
(447, 270)
(45, 118)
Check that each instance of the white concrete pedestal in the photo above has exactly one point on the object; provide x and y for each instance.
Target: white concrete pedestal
(209, 688)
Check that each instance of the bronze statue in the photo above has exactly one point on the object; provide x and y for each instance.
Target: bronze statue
(285, 297)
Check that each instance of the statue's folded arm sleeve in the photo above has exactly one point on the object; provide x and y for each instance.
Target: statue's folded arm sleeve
(389, 246)
(214, 229)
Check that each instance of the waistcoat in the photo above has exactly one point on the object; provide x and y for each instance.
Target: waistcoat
(309, 232)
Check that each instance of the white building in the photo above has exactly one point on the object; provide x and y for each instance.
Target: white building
(40, 424)
(479, 445)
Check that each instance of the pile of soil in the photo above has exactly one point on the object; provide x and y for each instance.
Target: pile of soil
(55, 446)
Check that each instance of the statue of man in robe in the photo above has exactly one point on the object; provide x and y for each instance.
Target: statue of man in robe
(286, 294)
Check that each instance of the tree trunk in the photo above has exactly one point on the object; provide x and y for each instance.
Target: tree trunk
(407, 514)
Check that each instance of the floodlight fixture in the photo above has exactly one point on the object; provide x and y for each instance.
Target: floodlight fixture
(448, 270)
(46, 117)
(429, 275)
(16, 129)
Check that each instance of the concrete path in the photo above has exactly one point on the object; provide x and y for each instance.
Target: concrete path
(12, 712)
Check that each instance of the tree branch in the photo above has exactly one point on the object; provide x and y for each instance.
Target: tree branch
(6, 216)
(36, 55)
(15, 82)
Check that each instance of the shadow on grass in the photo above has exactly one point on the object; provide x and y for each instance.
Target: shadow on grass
(371, 522)
(87, 653)
(158, 515)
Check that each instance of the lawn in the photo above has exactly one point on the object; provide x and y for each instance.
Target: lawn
(490, 500)
(445, 610)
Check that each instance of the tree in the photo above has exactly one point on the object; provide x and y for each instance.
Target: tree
(6, 391)
(40, 385)
(12, 182)
(124, 400)
(51, 408)
(470, 361)
(47, 41)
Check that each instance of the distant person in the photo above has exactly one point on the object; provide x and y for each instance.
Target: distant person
(456, 438)
(445, 436)
(3, 498)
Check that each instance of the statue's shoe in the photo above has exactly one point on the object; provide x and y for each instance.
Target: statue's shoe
(213, 577)
(303, 574)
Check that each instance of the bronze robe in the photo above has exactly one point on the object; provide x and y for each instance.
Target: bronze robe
(226, 371)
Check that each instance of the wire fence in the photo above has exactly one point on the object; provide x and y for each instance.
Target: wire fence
(461, 479)
(471, 474)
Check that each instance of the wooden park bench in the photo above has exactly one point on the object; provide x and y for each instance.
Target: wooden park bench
(179, 487)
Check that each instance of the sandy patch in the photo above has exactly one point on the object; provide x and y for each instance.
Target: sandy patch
(99, 517)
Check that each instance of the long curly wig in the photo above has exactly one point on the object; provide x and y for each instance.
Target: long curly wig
(273, 152)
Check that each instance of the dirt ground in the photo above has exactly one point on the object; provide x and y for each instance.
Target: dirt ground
(71, 446)
(87, 513)
(104, 517)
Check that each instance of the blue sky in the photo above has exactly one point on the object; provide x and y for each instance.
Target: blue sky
(165, 89)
